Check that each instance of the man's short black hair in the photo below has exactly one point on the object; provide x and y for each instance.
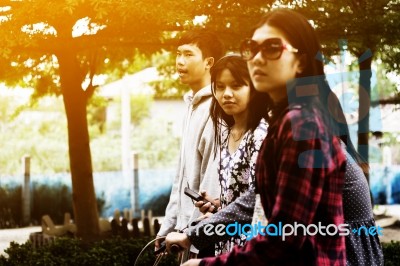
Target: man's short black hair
(208, 42)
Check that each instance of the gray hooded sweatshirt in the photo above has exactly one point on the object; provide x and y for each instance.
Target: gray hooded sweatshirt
(197, 167)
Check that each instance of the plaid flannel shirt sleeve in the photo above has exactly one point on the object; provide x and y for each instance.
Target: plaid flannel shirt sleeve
(301, 181)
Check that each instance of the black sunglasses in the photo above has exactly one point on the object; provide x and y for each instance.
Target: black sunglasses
(271, 49)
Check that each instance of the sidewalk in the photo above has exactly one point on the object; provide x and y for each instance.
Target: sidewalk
(390, 222)
(19, 235)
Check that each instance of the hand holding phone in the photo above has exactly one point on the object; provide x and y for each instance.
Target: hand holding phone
(197, 197)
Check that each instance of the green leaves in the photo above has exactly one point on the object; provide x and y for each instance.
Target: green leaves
(70, 251)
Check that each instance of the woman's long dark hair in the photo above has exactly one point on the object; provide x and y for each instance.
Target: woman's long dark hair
(257, 105)
(302, 36)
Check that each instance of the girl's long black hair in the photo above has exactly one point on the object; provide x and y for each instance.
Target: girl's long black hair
(257, 105)
(302, 36)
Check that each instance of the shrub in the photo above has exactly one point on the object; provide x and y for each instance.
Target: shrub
(391, 253)
(53, 200)
(158, 204)
(10, 206)
(70, 251)
(113, 251)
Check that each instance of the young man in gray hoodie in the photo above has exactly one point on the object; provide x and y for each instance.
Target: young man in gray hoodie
(197, 51)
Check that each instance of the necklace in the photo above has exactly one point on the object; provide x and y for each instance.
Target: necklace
(236, 136)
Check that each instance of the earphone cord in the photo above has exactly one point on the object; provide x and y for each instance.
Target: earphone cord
(151, 242)
(162, 237)
(148, 244)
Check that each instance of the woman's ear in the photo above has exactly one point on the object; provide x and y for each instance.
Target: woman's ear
(302, 64)
(209, 62)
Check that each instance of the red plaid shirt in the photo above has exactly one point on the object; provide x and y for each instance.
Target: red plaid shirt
(300, 176)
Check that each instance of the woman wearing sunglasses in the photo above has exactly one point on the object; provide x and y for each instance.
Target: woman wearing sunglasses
(361, 248)
(301, 165)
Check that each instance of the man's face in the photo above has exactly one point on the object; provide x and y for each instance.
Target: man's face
(190, 65)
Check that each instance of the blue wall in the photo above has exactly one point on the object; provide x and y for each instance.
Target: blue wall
(113, 185)
(384, 183)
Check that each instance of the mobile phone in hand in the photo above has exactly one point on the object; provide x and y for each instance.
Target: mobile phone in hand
(197, 197)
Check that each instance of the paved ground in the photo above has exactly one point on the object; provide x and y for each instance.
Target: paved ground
(390, 224)
(19, 235)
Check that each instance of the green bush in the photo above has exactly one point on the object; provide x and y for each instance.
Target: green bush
(53, 200)
(391, 252)
(158, 204)
(113, 251)
(70, 251)
(10, 206)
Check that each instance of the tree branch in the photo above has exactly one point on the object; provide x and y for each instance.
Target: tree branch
(395, 100)
(92, 70)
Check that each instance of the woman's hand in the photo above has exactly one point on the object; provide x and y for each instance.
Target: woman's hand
(204, 216)
(206, 207)
(192, 262)
(179, 239)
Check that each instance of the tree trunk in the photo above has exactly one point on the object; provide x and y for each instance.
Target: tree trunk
(364, 92)
(83, 193)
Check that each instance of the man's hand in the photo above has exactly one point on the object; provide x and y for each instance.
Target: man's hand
(179, 239)
(192, 262)
(158, 242)
(207, 207)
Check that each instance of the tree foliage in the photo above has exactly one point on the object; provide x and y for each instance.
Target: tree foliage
(369, 28)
